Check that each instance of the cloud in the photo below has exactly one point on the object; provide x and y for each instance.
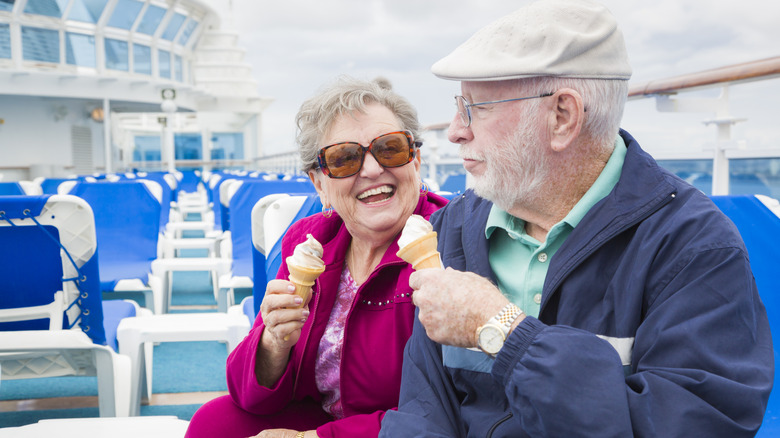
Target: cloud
(297, 46)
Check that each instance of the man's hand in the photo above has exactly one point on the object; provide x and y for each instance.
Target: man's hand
(453, 304)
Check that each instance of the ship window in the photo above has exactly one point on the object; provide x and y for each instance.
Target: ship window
(754, 176)
(188, 146)
(49, 8)
(697, 173)
(87, 11)
(164, 63)
(173, 27)
(227, 146)
(80, 49)
(177, 66)
(6, 5)
(125, 13)
(142, 59)
(147, 148)
(116, 55)
(5, 41)
(152, 17)
(40, 44)
(187, 32)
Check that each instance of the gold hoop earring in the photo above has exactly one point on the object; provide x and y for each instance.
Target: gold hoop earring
(327, 211)
(423, 188)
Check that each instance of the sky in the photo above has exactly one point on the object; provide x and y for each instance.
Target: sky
(295, 47)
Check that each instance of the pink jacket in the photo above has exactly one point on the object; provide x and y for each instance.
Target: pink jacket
(378, 326)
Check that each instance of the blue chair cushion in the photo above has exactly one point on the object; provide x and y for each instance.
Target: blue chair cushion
(113, 312)
(759, 227)
(10, 189)
(248, 306)
(127, 223)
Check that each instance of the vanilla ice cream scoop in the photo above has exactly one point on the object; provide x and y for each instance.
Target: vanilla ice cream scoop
(305, 265)
(308, 254)
(416, 227)
(417, 244)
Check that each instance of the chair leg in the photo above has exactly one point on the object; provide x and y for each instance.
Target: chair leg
(112, 378)
(149, 368)
(131, 346)
(225, 299)
(149, 301)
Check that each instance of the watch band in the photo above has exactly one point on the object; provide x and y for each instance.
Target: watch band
(506, 317)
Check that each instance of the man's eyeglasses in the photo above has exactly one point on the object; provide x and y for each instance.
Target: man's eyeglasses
(342, 160)
(464, 107)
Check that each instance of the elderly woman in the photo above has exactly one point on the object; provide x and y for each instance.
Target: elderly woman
(333, 367)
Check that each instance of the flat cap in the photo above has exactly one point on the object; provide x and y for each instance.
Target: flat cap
(563, 38)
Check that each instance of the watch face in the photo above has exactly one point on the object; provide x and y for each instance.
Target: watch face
(491, 339)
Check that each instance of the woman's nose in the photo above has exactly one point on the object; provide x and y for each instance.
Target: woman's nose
(371, 167)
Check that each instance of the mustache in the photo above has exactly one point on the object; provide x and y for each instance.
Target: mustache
(469, 155)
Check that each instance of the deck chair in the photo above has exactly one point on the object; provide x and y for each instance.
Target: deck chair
(757, 223)
(247, 305)
(127, 218)
(20, 188)
(53, 321)
(242, 197)
(167, 183)
(210, 223)
(49, 185)
(182, 206)
(190, 181)
(276, 221)
(216, 263)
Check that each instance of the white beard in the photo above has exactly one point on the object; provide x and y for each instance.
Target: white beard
(516, 169)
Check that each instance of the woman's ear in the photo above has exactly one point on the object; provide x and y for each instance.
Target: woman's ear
(315, 178)
(569, 116)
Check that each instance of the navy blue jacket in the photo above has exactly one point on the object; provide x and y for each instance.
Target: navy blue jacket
(654, 271)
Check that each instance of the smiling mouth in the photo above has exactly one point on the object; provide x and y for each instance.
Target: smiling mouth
(376, 194)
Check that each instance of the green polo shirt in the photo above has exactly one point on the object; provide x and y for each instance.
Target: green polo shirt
(519, 261)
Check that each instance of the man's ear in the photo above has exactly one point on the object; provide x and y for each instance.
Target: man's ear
(569, 116)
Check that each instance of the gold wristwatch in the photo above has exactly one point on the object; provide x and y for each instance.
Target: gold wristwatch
(491, 336)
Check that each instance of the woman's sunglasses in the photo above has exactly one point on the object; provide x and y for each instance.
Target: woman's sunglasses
(342, 160)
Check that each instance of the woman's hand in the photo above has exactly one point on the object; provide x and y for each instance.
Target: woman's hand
(285, 433)
(282, 315)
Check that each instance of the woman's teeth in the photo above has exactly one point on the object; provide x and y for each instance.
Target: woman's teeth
(378, 191)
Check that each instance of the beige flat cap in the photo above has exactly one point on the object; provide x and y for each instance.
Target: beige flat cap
(564, 38)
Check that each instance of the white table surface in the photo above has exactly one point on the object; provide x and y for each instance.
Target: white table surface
(104, 427)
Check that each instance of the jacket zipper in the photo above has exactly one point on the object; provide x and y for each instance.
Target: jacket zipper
(498, 423)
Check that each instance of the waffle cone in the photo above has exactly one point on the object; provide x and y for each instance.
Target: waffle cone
(303, 278)
(421, 253)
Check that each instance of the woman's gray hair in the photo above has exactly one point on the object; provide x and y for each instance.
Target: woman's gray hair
(346, 95)
(604, 101)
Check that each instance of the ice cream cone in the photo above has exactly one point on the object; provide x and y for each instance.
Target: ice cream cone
(421, 253)
(303, 277)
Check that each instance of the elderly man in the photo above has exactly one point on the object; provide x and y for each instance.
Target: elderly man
(640, 315)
